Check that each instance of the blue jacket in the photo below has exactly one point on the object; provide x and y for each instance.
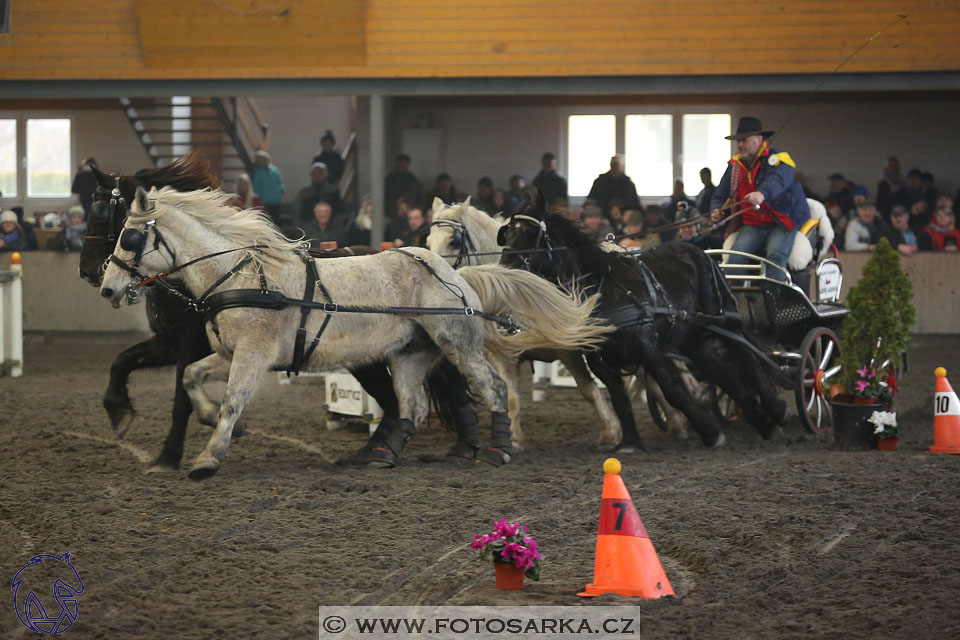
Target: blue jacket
(268, 184)
(774, 180)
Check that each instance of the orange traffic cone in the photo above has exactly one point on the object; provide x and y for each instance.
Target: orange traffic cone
(946, 416)
(625, 562)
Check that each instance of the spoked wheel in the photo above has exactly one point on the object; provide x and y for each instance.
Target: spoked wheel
(818, 370)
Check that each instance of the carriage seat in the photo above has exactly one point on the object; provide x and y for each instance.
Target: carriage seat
(810, 245)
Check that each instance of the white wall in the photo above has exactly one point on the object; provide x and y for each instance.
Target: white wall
(853, 138)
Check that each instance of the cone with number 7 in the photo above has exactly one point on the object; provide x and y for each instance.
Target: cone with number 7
(946, 416)
(625, 562)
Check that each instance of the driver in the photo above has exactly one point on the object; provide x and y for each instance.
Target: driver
(761, 178)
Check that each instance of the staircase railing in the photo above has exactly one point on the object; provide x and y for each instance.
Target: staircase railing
(244, 125)
(349, 187)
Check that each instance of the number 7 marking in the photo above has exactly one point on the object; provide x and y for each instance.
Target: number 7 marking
(622, 506)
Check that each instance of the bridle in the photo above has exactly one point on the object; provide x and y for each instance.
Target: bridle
(461, 242)
(136, 240)
(543, 237)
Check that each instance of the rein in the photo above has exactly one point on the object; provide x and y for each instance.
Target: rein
(705, 218)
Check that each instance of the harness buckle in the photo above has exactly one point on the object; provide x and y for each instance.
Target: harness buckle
(468, 311)
(330, 307)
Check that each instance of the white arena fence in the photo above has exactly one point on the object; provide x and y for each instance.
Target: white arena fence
(11, 318)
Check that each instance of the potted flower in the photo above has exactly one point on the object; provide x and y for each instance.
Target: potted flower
(513, 552)
(885, 429)
(876, 333)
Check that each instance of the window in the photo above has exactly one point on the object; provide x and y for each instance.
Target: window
(8, 157)
(48, 158)
(591, 140)
(704, 146)
(36, 159)
(649, 153)
(648, 143)
(5, 18)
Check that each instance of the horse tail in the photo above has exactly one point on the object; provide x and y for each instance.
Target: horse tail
(549, 317)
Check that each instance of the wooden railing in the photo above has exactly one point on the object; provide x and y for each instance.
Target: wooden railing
(244, 123)
(349, 188)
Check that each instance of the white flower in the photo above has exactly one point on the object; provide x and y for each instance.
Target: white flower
(883, 419)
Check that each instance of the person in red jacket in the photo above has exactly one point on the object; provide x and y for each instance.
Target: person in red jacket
(941, 232)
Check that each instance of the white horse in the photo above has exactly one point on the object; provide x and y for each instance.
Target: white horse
(202, 238)
(466, 235)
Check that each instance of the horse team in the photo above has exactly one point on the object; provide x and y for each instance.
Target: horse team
(230, 298)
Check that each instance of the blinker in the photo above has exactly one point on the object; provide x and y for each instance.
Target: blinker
(131, 239)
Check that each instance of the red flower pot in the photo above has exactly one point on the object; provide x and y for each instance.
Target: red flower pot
(509, 576)
(887, 444)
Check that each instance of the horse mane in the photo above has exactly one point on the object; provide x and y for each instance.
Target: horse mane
(584, 250)
(187, 173)
(240, 227)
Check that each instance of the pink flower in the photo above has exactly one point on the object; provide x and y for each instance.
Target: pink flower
(861, 385)
(862, 372)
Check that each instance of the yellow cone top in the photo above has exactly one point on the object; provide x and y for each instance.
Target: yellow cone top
(940, 372)
(15, 258)
(611, 466)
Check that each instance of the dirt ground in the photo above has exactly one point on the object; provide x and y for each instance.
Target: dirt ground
(785, 539)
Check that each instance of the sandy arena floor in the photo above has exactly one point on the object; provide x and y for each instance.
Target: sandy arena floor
(783, 539)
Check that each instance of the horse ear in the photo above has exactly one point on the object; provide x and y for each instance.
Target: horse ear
(103, 179)
(437, 204)
(466, 204)
(541, 200)
(525, 200)
(140, 202)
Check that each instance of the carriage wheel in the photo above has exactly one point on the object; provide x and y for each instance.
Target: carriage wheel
(818, 370)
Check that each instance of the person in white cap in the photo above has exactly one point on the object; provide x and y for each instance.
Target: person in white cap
(70, 237)
(12, 237)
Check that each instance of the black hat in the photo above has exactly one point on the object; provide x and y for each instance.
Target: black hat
(749, 126)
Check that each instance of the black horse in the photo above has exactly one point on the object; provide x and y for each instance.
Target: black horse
(670, 300)
(180, 335)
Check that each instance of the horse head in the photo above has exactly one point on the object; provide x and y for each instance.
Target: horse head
(36, 576)
(448, 235)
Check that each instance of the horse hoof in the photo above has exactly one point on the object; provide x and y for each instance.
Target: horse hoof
(381, 458)
(780, 412)
(719, 442)
(463, 451)
(494, 457)
(203, 470)
(121, 418)
(629, 447)
(606, 447)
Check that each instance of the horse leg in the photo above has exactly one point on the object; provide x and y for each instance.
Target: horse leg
(193, 346)
(452, 389)
(509, 371)
(745, 384)
(703, 421)
(629, 439)
(610, 434)
(149, 353)
(246, 373)
(409, 372)
(213, 367)
(483, 379)
(676, 421)
(375, 380)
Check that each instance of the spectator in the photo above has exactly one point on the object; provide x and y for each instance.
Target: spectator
(594, 223)
(70, 237)
(860, 194)
(84, 184)
(318, 190)
(702, 201)
(502, 202)
(12, 237)
(330, 156)
(245, 198)
(614, 184)
(325, 226)
(401, 183)
(941, 234)
(548, 181)
(561, 206)
(617, 219)
(911, 192)
(672, 204)
(930, 191)
(920, 214)
(358, 231)
(653, 218)
(892, 181)
(840, 192)
(839, 220)
(518, 187)
(633, 227)
(28, 232)
(268, 183)
(691, 232)
(484, 198)
(445, 190)
(415, 234)
(898, 232)
(865, 230)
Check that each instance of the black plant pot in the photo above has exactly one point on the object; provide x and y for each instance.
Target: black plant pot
(851, 429)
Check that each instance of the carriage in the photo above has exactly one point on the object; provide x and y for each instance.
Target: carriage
(803, 330)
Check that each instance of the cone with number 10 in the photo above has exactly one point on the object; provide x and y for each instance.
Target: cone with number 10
(626, 562)
(946, 416)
